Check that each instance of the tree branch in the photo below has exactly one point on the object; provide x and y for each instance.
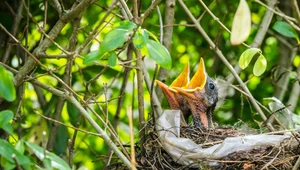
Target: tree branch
(296, 10)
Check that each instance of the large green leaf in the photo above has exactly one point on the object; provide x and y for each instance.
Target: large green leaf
(285, 29)
(7, 151)
(159, 54)
(5, 117)
(92, 56)
(126, 25)
(247, 56)
(7, 89)
(140, 39)
(260, 66)
(113, 40)
(56, 161)
(112, 59)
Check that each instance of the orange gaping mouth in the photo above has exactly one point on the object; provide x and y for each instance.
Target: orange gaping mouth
(191, 91)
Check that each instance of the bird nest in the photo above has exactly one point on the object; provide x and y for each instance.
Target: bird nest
(169, 147)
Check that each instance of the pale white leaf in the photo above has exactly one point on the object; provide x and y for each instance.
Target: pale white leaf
(241, 24)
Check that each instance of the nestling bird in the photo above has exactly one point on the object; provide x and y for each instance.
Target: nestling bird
(197, 97)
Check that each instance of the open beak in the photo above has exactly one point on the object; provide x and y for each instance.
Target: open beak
(174, 99)
(182, 91)
(170, 95)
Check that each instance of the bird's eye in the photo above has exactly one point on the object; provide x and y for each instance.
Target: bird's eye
(211, 86)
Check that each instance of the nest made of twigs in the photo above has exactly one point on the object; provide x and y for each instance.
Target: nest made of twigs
(268, 157)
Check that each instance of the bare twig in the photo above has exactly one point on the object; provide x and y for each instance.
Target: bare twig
(151, 8)
(156, 103)
(296, 10)
(276, 12)
(68, 126)
(140, 82)
(133, 161)
(45, 18)
(57, 6)
(14, 29)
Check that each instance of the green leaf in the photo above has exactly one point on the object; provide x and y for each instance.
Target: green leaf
(112, 59)
(60, 144)
(73, 113)
(5, 117)
(56, 161)
(113, 40)
(247, 56)
(260, 66)
(159, 54)
(7, 88)
(7, 150)
(92, 56)
(140, 39)
(126, 25)
(285, 29)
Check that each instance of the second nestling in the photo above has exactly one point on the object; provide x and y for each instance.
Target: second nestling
(197, 97)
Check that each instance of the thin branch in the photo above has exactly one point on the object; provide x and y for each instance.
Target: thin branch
(156, 103)
(125, 7)
(140, 82)
(151, 8)
(14, 29)
(296, 10)
(133, 161)
(68, 126)
(56, 5)
(225, 61)
(45, 18)
(276, 12)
